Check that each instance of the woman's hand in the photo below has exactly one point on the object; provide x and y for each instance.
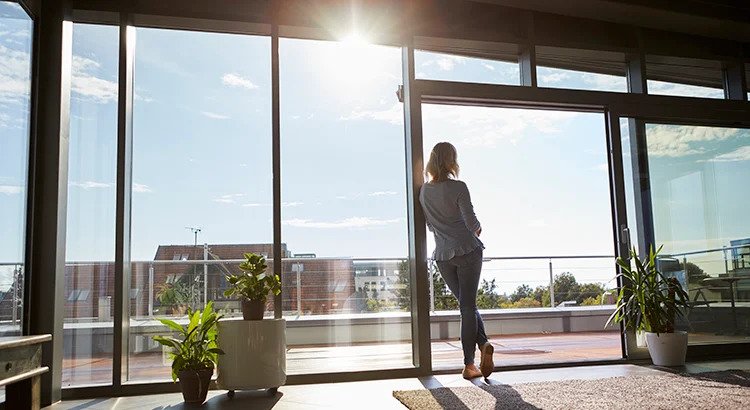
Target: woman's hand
(478, 232)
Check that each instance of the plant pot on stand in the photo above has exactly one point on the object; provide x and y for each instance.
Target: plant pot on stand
(253, 309)
(253, 343)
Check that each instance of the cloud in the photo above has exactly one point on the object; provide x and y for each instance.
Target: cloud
(382, 193)
(679, 141)
(486, 126)
(604, 82)
(254, 204)
(141, 188)
(10, 189)
(537, 223)
(215, 116)
(228, 199)
(292, 204)
(488, 66)
(740, 154)
(684, 90)
(553, 77)
(235, 80)
(354, 222)
(88, 185)
(393, 115)
(15, 81)
(87, 85)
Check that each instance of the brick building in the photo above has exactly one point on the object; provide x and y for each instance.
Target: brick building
(327, 285)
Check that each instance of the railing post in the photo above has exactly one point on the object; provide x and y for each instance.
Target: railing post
(551, 285)
(14, 312)
(432, 291)
(150, 290)
(205, 275)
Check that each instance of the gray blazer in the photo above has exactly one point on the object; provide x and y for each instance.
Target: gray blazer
(450, 216)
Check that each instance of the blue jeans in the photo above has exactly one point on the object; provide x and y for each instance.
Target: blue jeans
(461, 274)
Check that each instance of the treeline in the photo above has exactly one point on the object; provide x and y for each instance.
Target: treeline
(567, 289)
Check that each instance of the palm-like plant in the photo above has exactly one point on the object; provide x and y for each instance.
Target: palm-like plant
(648, 301)
(196, 348)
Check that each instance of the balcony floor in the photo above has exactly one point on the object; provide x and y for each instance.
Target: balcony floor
(447, 354)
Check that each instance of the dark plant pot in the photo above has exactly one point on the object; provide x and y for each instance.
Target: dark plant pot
(253, 309)
(194, 384)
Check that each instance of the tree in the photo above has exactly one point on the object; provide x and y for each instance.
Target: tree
(487, 297)
(523, 291)
(694, 272)
(566, 287)
(403, 287)
(541, 294)
(588, 291)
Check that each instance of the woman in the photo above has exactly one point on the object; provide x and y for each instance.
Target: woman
(458, 250)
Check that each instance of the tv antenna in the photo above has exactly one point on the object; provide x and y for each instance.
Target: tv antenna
(195, 230)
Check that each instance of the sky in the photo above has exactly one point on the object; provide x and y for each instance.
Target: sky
(15, 68)
(202, 153)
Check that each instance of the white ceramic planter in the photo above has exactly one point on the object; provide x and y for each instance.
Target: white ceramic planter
(254, 354)
(667, 349)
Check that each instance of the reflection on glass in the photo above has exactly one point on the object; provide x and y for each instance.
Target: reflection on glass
(90, 243)
(683, 90)
(539, 184)
(451, 67)
(343, 207)
(698, 175)
(201, 192)
(580, 80)
(15, 67)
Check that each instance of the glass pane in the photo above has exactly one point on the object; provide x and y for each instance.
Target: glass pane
(452, 67)
(580, 80)
(683, 90)
(698, 175)
(202, 189)
(343, 207)
(16, 33)
(686, 77)
(92, 176)
(539, 185)
(581, 69)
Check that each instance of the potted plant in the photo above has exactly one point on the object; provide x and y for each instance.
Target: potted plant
(175, 295)
(649, 302)
(195, 352)
(252, 286)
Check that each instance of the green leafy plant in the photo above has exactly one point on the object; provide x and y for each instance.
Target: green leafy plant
(196, 347)
(648, 301)
(176, 293)
(253, 283)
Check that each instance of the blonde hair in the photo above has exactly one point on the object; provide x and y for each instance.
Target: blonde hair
(443, 163)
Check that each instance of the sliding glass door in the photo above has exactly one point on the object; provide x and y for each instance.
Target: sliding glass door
(539, 182)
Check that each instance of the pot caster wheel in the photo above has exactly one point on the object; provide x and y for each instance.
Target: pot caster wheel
(230, 394)
(272, 391)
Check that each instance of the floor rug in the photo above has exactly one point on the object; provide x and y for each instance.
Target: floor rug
(715, 390)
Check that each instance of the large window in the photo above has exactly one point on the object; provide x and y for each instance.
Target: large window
(343, 207)
(90, 252)
(202, 178)
(698, 175)
(15, 101)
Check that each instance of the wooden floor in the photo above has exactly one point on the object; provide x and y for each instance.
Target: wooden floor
(371, 394)
(510, 350)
